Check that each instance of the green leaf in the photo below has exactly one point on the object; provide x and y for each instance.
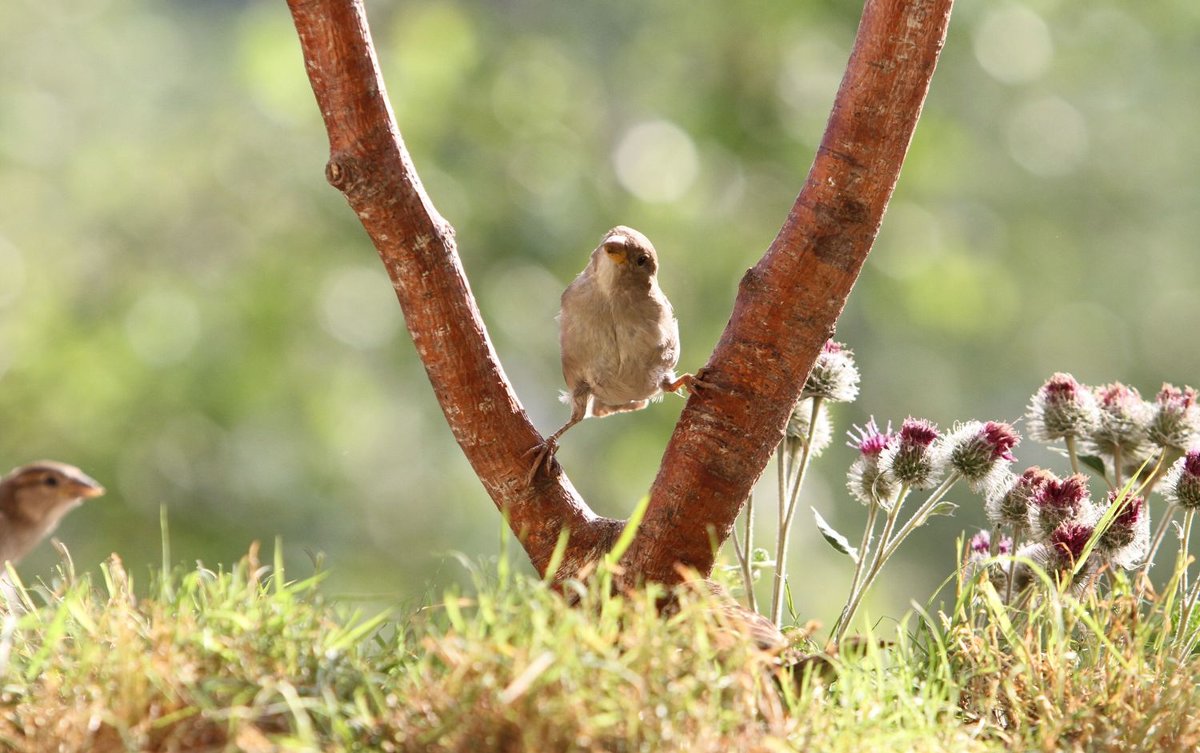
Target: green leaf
(942, 508)
(1093, 463)
(835, 539)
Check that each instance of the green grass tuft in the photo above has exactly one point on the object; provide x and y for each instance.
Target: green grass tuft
(245, 659)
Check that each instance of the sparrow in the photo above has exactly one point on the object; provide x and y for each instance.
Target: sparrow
(34, 498)
(618, 336)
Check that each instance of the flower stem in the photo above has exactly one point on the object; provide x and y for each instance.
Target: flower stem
(1159, 534)
(888, 544)
(1185, 607)
(787, 511)
(747, 553)
(888, 524)
(863, 551)
(1072, 453)
(1012, 565)
(918, 517)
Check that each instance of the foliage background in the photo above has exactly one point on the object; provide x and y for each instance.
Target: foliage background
(191, 314)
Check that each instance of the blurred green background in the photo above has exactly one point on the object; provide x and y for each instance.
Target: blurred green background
(189, 313)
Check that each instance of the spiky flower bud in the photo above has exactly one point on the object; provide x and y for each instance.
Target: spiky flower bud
(1176, 420)
(1068, 542)
(1127, 537)
(980, 452)
(1060, 501)
(914, 459)
(1009, 502)
(798, 425)
(866, 480)
(834, 375)
(1181, 485)
(1062, 408)
(1123, 422)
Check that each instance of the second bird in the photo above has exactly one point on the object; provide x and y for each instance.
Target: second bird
(618, 334)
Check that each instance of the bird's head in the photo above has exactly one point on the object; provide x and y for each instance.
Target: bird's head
(41, 493)
(625, 256)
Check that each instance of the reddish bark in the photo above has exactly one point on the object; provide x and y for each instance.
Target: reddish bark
(785, 310)
(370, 165)
(788, 303)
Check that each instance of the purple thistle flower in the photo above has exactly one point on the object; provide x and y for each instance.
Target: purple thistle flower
(1123, 422)
(1009, 505)
(834, 375)
(1128, 535)
(981, 543)
(1181, 485)
(1002, 438)
(868, 439)
(1062, 408)
(979, 451)
(913, 459)
(1176, 420)
(917, 432)
(1005, 546)
(1061, 501)
(1068, 541)
(866, 480)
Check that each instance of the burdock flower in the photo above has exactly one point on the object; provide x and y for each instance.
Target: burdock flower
(1009, 503)
(914, 459)
(1176, 420)
(980, 452)
(834, 376)
(1123, 422)
(1181, 485)
(981, 544)
(1060, 501)
(1067, 543)
(1127, 537)
(1061, 409)
(798, 424)
(865, 479)
(1059, 555)
(979, 549)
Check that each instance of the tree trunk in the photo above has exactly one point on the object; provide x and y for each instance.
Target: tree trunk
(788, 304)
(785, 310)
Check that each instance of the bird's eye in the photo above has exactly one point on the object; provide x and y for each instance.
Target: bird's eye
(641, 260)
(51, 481)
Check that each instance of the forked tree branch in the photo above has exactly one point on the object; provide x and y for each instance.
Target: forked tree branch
(789, 302)
(785, 310)
(370, 165)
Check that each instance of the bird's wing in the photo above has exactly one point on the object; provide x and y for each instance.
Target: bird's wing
(573, 332)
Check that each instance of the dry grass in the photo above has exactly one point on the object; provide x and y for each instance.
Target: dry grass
(246, 660)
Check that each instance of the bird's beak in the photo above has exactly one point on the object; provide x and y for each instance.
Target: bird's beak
(617, 250)
(86, 486)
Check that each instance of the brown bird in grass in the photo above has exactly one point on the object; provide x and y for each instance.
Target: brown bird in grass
(34, 498)
(618, 335)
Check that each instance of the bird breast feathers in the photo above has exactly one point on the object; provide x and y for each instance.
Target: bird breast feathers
(616, 338)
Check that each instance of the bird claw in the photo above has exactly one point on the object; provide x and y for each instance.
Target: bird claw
(691, 382)
(544, 456)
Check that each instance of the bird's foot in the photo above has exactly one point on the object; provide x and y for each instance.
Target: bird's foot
(691, 382)
(543, 456)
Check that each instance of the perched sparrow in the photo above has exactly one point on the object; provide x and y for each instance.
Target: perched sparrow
(33, 499)
(618, 334)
